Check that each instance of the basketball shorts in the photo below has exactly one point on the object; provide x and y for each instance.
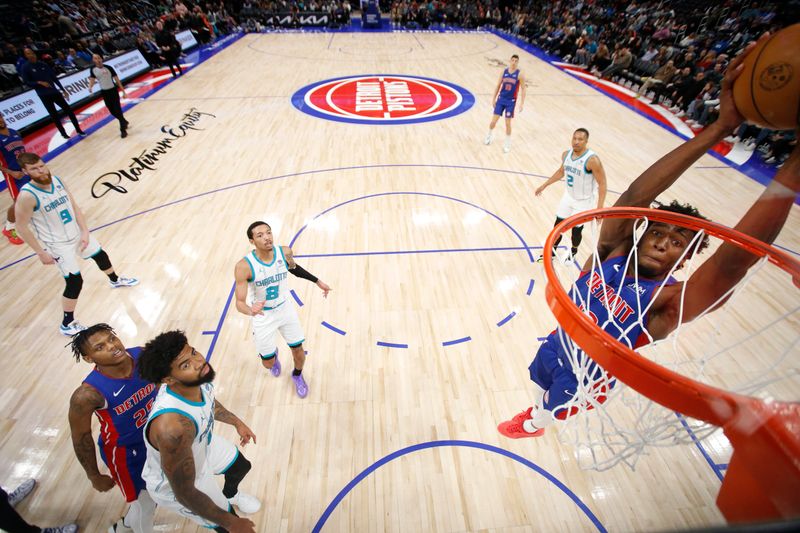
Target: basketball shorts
(67, 253)
(570, 206)
(125, 463)
(505, 107)
(14, 185)
(221, 455)
(553, 374)
(282, 318)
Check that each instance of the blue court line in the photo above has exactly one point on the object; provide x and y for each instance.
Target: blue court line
(219, 324)
(295, 296)
(434, 195)
(722, 466)
(391, 344)
(511, 315)
(530, 287)
(700, 447)
(457, 341)
(295, 174)
(455, 443)
(334, 328)
(540, 339)
(209, 333)
(425, 251)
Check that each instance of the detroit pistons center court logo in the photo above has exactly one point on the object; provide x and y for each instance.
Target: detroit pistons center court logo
(383, 99)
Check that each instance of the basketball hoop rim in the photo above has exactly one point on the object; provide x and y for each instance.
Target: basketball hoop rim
(666, 387)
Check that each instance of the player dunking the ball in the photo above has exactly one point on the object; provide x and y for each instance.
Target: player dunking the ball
(121, 401)
(261, 280)
(586, 185)
(658, 251)
(510, 87)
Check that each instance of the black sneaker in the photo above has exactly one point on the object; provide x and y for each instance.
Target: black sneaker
(81, 133)
(123, 134)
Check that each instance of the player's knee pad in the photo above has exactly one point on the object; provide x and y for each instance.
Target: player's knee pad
(102, 260)
(74, 286)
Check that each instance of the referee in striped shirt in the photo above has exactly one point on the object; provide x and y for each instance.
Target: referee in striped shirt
(109, 82)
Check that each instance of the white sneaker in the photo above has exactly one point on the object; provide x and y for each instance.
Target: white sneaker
(73, 328)
(731, 139)
(123, 282)
(21, 492)
(506, 147)
(488, 139)
(750, 146)
(69, 528)
(245, 503)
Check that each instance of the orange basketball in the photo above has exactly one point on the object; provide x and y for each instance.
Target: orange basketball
(767, 92)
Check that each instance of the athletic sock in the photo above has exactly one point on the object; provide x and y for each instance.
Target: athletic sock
(69, 317)
(10, 225)
(296, 372)
(113, 277)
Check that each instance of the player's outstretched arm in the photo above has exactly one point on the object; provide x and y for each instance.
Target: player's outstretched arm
(221, 414)
(242, 275)
(173, 434)
(84, 401)
(301, 272)
(664, 172)
(764, 221)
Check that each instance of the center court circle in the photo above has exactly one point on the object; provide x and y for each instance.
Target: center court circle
(383, 99)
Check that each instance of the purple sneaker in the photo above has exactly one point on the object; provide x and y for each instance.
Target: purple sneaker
(276, 368)
(300, 385)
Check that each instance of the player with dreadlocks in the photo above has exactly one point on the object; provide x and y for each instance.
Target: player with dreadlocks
(121, 400)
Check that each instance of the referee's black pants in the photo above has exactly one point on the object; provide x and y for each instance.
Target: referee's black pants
(111, 98)
(49, 101)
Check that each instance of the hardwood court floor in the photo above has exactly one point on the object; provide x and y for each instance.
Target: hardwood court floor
(427, 187)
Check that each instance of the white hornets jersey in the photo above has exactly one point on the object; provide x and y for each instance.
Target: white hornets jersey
(581, 184)
(268, 281)
(201, 413)
(53, 218)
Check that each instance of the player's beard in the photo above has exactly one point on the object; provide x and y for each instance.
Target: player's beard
(208, 378)
(43, 181)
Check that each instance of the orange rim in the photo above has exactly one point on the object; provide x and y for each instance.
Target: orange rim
(664, 386)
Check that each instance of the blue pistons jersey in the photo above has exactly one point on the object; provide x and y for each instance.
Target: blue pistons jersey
(614, 301)
(127, 405)
(509, 86)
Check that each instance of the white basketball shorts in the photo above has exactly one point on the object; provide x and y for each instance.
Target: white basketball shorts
(66, 254)
(570, 206)
(221, 455)
(284, 319)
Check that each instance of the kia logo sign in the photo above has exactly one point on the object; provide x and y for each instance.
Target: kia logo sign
(383, 99)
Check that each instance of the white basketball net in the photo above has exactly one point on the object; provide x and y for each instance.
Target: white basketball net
(751, 346)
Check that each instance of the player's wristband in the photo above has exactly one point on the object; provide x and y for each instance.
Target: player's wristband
(301, 272)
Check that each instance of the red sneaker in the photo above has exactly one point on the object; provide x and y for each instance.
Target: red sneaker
(13, 238)
(523, 416)
(513, 428)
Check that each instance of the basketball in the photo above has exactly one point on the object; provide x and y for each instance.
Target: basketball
(767, 92)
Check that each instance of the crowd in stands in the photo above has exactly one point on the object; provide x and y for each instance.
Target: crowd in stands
(669, 51)
(65, 33)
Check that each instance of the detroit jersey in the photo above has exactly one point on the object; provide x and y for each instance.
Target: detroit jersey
(127, 404)
(10, 147)
(53, 217)
(268, 281)
(614, 302)
(581, 184)
(509, 86)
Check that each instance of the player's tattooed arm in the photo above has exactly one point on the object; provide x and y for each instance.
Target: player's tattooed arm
(84, 401)
(223, 415)
(173, 434)
(289, 255)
